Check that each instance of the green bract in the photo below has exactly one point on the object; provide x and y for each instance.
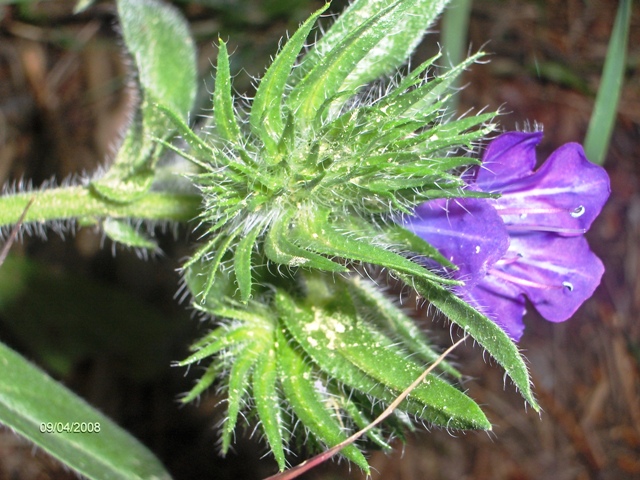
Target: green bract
(300, 188)
(310, 175)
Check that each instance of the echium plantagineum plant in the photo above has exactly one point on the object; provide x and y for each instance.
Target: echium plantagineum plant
(322, 182)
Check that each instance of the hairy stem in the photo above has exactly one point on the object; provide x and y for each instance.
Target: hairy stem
(82, 203)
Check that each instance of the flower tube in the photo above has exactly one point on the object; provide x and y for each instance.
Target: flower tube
(527, 243)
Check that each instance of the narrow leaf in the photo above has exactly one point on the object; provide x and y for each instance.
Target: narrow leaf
(370, 303)
(391, 50)
(31, 401)
(350, 350)
(268, 404)
(243, 362)
(122, 232)
(320, 235)
(602, 121)
(226, 123)
(204, 382)
(297, 382)
(307, 465)
(158, 37)
(491, 337)
(266, 110)
(279, 249)
(242, 261)
(327, 76)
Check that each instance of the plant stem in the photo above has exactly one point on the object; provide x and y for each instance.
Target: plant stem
(85, 205)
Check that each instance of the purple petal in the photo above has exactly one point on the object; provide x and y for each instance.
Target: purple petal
(467, 231)
(565, 195)
(502, 302)
(508, 157)
(556, 273)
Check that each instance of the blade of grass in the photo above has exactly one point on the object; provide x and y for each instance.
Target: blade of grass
(455, 24)
(596, 142)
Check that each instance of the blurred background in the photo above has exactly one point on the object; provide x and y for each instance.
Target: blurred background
(108, 326)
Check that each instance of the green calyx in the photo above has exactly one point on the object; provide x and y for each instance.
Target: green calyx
(310, 162)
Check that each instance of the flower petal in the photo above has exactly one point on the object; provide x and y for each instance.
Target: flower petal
(508, 157)
(556, 273)
(564, 196)
(467, 231)
(503, 302)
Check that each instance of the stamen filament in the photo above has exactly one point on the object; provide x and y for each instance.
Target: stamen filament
(544, 228)
(520, 281)
(520, 211)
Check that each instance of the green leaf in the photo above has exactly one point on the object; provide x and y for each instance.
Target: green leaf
(30, 399)
(352, 351)
(159, 40)
(242, 261)
(413, 103)
(326, 77)
(362, 420)
(207, 379)
(213, 264)
(226, 123)
(390, 50)
(308, 405)
(489, 335)
(411, 242)
(220, 339)
(131, 174)
(266, 111)
(372, 304)
(244, 361)
(279, 249)
(317, 233)
(197, 144)
(268, 403)
(122, 232)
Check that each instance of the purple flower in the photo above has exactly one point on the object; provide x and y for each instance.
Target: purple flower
(527, 243)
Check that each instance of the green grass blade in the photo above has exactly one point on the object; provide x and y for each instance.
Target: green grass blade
(30, 398)
(455, 25)
(596, 142)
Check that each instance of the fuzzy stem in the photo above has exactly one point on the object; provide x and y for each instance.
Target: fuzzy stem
(84, 204)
